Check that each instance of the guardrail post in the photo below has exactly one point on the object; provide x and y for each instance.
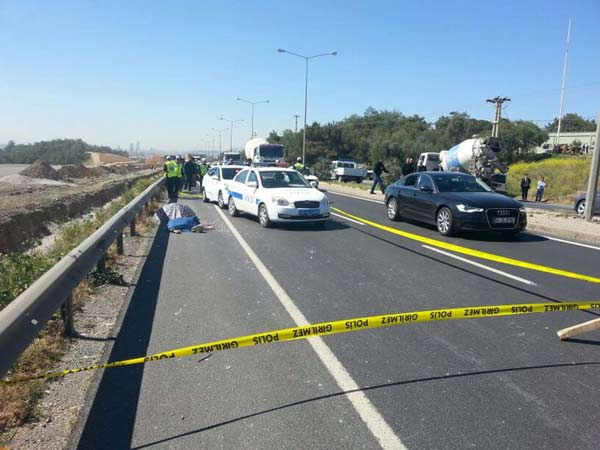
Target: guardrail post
(132, 228)
(101, 264)
(120, 249)
(66, 313)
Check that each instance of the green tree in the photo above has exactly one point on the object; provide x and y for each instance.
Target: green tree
(519, 138)
(572, 122)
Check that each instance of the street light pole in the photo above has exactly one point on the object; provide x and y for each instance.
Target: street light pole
(219, 131)
(252, 103)
(306, 58)
(296, 126)
(231, 122)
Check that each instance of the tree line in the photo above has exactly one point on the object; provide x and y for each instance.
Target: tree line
(57, 151)
(392, 136)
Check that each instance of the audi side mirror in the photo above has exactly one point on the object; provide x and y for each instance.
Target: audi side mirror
(426, 188)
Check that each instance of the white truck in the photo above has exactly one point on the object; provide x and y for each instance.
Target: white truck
(477, 156)
(347, 170)
(262, 153)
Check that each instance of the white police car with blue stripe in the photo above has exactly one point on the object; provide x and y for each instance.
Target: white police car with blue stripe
(275, 194)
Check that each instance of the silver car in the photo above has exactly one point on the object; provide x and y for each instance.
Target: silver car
(580, 204)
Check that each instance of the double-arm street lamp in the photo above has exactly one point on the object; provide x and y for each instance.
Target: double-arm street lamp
(306, 58)
(231, 122)
(252, 103)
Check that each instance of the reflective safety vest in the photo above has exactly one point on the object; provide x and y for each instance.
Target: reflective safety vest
(203, 169)
(180, 170)
(298, 166)
(172, 169)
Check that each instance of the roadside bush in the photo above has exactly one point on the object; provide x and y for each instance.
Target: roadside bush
(564, 176)
(322, 169)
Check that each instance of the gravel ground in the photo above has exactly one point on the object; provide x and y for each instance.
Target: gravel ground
(65, 397)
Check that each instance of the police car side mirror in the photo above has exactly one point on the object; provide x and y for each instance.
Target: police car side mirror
(314, 184)
(252, 184)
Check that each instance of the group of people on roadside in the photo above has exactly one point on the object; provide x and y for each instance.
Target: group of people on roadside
(183, 174)
(526, 185)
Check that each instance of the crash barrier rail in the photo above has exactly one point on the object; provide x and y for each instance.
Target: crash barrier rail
(23, 319)
(328, 328)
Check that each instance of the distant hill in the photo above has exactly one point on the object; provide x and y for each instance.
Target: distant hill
(57, 151)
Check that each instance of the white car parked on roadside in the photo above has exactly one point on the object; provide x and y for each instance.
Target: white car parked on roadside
(215, 183)
(275, 194)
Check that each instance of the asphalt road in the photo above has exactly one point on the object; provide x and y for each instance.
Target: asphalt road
(490, 383)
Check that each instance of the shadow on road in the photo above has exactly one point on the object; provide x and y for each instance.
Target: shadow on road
(367, 389)
(112, 414)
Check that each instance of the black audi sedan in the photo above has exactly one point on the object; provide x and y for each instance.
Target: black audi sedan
(453, 201)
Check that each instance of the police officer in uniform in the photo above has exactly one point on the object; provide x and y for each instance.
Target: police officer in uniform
(171, 174)
(299, 166)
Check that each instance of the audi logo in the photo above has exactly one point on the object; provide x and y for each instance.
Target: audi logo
(503, 212)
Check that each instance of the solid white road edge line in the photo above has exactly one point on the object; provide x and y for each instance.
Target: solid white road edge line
(481, 266)
(571, 242)
(347, 218)
(354, 196)
(363, 406)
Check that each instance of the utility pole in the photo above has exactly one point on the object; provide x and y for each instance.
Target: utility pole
(564, 80)
(296, 127)
(590, 197)
(496, 123)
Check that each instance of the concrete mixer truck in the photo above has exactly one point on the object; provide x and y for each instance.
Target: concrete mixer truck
(262, 153)
(477, 156)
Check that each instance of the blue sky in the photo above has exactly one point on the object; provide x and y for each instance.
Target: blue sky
(162, 73)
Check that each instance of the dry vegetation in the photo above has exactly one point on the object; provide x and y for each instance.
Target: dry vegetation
(17, 272)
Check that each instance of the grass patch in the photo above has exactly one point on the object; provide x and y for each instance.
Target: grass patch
(564, 176)
(364, 187)
(17, 272)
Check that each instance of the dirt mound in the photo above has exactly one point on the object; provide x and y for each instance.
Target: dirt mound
(155, 160)
(98, 159)
(101, 171)
(75, 171)
(40, 169)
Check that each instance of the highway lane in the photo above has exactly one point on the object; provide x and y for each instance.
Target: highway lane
(197, 288)
(490, 383)
(526, 247)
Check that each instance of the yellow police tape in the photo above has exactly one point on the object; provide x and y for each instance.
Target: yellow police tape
(335, 327)
(472, 252)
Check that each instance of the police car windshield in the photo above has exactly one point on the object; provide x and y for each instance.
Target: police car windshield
(282, 179)
(459, 183)
(230, 172)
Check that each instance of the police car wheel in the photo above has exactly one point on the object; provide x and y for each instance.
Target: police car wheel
(220, 200)
(233, 212)
(263, 216)
(205, 198)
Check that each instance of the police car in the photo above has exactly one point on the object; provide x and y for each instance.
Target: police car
(214, 183)
(275, 194)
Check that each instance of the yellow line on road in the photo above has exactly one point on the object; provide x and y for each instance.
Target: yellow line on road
(472, 252)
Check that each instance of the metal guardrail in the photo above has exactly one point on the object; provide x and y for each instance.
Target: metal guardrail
(23, 319)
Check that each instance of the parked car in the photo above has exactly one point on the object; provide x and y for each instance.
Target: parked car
(276, 195)
(347, 170)
(214, 183)
(453, 202)
(580, 204)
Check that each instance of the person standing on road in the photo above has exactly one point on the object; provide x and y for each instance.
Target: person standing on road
(408, 167)
(189, 170)
(202, 170)
(377, 171)
(179, 173)
(541, 186)
(525, 185)
(170, 169)
(299, 166)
